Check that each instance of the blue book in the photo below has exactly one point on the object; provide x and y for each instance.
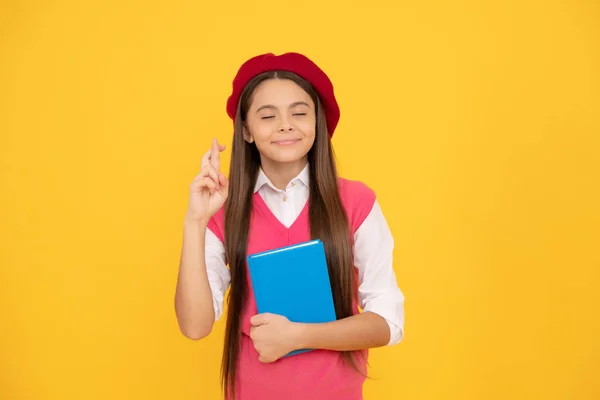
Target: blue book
(293, 281)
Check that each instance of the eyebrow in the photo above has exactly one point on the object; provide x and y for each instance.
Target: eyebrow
(295, 104)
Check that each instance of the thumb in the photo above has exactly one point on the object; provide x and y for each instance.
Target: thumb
(259, 319)
(223, 182)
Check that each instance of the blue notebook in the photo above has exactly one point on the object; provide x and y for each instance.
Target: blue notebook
(293, 281)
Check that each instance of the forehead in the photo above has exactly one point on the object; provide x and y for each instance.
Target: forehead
(280, 93)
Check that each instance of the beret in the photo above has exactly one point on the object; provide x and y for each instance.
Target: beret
(291, 62)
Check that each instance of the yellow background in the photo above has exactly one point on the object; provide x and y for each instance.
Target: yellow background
(477, 123)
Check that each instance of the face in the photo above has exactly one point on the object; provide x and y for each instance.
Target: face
(281, 121)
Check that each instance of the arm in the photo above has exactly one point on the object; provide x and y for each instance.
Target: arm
(202, 281)
(382, 321)
(362, 331)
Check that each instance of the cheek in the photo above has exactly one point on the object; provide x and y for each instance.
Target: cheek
(260, 131)
(262, 137)
(307, 127)
(310, 142)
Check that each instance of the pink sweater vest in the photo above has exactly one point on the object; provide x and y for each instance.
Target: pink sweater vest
(315, 375)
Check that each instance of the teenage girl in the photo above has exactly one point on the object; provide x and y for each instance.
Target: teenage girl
(283, 189)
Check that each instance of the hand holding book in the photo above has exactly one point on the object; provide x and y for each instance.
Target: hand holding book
(292, 288)
(274, 336)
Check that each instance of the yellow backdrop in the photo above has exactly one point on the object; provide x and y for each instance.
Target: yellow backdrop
(477, 123)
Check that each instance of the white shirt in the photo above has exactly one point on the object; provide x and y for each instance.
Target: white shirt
(378, 290)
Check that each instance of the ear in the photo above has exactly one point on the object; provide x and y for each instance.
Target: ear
(247, 135)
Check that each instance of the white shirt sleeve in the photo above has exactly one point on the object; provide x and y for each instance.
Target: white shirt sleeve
(378, 290)
(218, 274)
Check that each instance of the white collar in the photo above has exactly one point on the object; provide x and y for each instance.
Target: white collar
(262, 179)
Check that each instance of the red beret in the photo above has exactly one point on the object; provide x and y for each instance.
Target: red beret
(291, 62)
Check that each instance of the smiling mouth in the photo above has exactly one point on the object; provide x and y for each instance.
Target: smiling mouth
(286, 142)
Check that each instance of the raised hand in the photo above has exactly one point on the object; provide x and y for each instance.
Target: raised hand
(209, 189)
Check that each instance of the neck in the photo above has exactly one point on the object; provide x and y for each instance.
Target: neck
(280, 174)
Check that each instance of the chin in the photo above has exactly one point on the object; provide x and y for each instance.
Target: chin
(288, 160)
(288, 156)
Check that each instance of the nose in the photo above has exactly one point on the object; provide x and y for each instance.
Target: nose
(286, 127)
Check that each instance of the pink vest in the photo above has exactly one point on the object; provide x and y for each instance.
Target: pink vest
(314, 375)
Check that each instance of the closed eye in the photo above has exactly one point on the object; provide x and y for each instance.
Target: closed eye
(299, 114)
(268, 117)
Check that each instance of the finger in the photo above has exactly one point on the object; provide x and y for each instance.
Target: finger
(209, 171)
(260, 319)
(213, 173)
(204, 183)
(206, 159)
(223, 185)
(257, 320)
(257, 346)
(215, 158)
(223, 180)
(220, 147)
(209, 183)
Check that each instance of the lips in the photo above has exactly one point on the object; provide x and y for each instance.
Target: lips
(286, 142)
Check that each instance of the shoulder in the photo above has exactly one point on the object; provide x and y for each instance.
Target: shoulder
(358, 200)
(353, 188)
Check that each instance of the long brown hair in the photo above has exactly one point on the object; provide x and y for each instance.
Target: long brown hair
(328, 222)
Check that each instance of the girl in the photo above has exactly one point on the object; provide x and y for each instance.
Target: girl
(283, 189)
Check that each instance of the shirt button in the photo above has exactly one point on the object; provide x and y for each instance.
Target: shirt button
(293, 183)
(284, 198)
